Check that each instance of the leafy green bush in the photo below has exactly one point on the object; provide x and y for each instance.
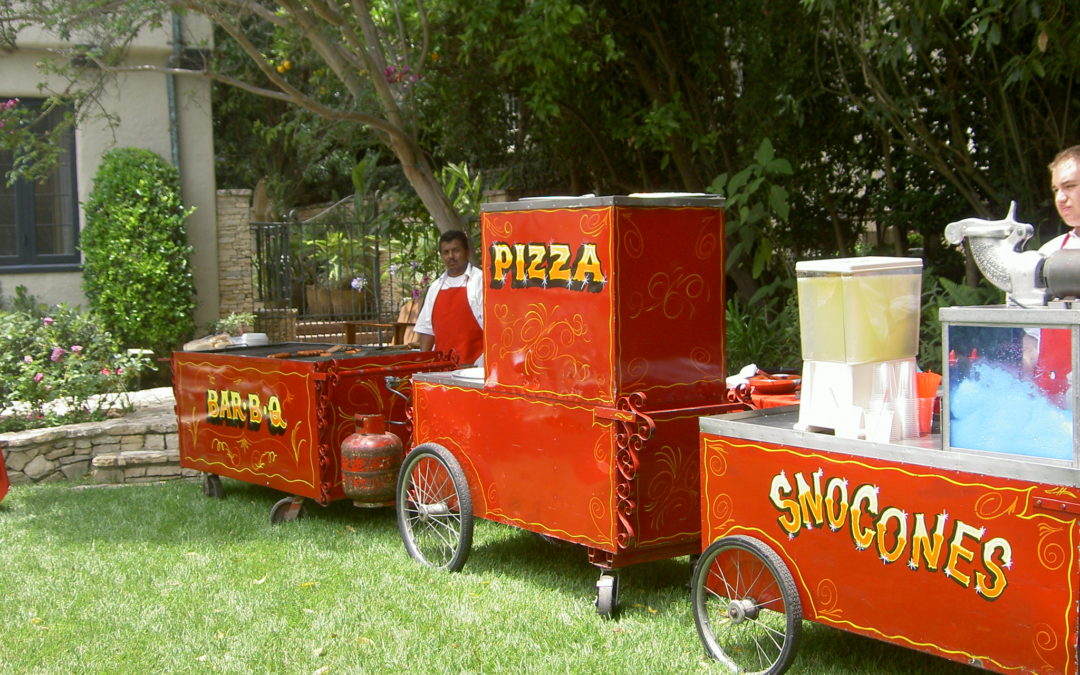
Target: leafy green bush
(136, 268)
(58, 354)
(765, 333)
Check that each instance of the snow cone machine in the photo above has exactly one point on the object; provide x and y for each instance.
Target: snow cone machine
(963, 543)
(604, 339)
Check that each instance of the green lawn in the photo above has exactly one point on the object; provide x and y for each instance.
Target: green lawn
(158, 578)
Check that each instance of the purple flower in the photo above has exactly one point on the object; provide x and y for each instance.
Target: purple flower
(75, 349)
(358, 283)
(57, 354)
(28, 359)
(415, 293)
(426, 280)
(39, 377)
(394, 267)
(48, 321)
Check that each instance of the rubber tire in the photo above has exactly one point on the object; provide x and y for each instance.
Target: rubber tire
(443, 472)
(282, 511)
(211, 486)
(770, 573)
(607, 595)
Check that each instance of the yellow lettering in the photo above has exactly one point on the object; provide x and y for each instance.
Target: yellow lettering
(211, 403)
(836, 509)
(863, 537)
(810, 500)
(587, 265)
(560, 256)
(273, 411)
(891, 513)
(997, 580)
(537, 253)
(501, 259)
(925, 546)
(957, 551)
(519, 263)
(781, 486)
(254, 412)
(237, 406)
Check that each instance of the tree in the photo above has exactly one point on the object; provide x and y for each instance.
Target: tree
(360, 62)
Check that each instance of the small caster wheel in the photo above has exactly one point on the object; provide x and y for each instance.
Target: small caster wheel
(211, 486)
(607, 594)
(287, 510)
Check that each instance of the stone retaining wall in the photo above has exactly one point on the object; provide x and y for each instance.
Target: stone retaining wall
(139, 447)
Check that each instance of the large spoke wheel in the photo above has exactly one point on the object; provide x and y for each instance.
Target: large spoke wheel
(746, 606)
(434, 509)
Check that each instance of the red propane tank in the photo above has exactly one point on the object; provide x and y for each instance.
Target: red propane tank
(370, 460)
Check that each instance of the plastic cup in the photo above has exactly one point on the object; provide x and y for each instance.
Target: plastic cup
(926, 414)
(908, 411)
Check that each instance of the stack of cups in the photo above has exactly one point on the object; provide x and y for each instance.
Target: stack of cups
(907, 404)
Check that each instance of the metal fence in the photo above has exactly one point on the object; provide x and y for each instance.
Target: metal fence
(328, 268)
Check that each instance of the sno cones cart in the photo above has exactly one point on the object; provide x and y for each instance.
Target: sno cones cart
(278, 415)
(961, 543)
(603, 344)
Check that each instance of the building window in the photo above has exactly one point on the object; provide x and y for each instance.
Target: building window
(39, 221)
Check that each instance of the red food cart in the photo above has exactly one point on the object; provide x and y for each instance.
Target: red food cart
(603, 344)
(3, 477)
(962, 544)
(276, 415)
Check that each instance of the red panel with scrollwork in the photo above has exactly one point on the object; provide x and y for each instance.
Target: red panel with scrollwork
(280, 422)
(969, 567)
(592, 303)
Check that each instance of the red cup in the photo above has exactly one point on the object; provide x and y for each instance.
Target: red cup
(926, 415)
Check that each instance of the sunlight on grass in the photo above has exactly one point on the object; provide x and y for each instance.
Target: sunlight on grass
(157, 578)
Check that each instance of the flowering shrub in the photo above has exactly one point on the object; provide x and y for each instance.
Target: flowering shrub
(54, 361)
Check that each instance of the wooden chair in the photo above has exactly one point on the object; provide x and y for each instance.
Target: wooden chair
(402, 334)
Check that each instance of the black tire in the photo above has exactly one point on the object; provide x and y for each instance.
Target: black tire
(287, 510)
(746, 606)
(211, 486)
(434, 508)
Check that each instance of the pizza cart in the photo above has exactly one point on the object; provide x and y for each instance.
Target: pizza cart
(962, 543)
(603, 343)
(277, 415)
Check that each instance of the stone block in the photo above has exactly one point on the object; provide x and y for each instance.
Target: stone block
(38, 468)
(17, 460)
(154, 442)
(106, 475)
(83, 444)
(58, 451)
(75, 470)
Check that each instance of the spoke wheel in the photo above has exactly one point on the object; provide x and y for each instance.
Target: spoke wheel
(287, 510)
(211, 486)
(434, 508)
(746, 606)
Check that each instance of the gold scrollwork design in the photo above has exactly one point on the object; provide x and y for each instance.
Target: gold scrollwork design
(828, 598)
(673, 488)
(996, 504)
(721, 507)
(706, 243)
(632, 241)
(1051, 553)
(630, 438)
(1046, 641)
(500, 227)
(592, 223)
(1061, 491)
(543, 339)
(717, 463)
(635, 370)
(675, 293)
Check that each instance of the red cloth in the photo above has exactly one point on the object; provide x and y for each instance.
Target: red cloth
(774, 400)
(455, 326)
(1054, 363)
(3, 477)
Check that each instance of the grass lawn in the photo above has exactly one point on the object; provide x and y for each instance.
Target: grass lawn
(158, 578)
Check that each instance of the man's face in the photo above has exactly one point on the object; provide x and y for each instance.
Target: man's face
(454, 256)
(1065, 183)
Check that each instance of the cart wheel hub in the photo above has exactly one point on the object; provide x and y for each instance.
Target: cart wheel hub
(742, 610)
(427, 511)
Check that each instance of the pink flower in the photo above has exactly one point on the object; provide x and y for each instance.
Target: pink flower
(106, 371)
(57, 354)
(39, 377)
(415, 293)
(75, 349)
(28, 359)
(48, 321)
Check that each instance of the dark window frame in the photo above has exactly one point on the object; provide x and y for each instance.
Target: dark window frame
(26, 258)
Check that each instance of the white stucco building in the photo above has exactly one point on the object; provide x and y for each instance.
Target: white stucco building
(39, 223)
